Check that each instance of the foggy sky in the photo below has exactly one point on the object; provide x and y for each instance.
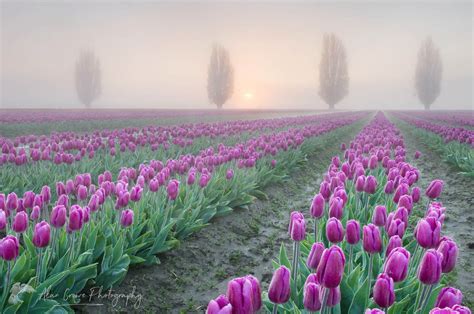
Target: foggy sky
(155, 54)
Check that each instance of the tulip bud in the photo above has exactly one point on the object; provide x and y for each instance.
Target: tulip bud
(41, 234)
(396, 265)
(20, 222)
(434, 189)
(315, 255)
(126, 219)
(220, 305)
(154, 185)
(334, 230)
(331, 267)
(279, 289)
(360, 182)
(406, 201)
(297, 227)
(396, 227)
(374, 311)
(81, 192)
(325, 190)
(427, 232)
(402, 189)
(58, 216)
(450, 250)
(9, 248)
(384, 293)
(394, 242)
(334, 296)
(311, 296)
(417, 154)
(317, 206)
(461, 309)
(371, 240)
(191, 178)
(448, 297)
(229, 174)
(429, 270)
(352, 232)
(388, 189)
(136, 193)
(12, 201)
(379, 217)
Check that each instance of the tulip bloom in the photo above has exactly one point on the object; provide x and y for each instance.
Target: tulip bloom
(450, 251)
(336, 205)
(379, 218)
(317, 206)
(372, 241)
(334, 230)
(394, 242)
(374, 311)
(396, 227)
(75, 220)
(331, 267)
(448, 297)
(279, 289)
(20, 222)
(370, 185)
(173, 189)
(427, 232)
(220, 305)
(461, 309)
(333, 296)
(12, 201)
(396, 265)
(9, 248)
(58, 216)
(42, 234)
(434, 189)
(311, 297)
(126, 218)
(429, 271)
(315, 255)
(244, 295)
(384, 293)
(416, 194)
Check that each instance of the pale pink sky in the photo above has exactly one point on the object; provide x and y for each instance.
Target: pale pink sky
(155, 54)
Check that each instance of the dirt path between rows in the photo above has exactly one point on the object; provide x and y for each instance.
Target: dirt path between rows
(459, 203)
(241, 243)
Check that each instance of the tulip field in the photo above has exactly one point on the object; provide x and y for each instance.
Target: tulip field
(240, 212)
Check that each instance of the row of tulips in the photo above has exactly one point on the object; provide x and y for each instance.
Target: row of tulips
(396, 266)
(69, 147)
(459, 154)
(91, 231)
(458, 118)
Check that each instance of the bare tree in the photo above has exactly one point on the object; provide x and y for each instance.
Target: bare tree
(333, 76)
(220, 80)
(429, 70)
(88, 78)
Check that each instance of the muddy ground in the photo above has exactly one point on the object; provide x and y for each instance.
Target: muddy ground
(458, 199)
(241, 243)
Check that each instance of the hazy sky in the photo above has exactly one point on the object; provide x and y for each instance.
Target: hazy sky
(155, 54)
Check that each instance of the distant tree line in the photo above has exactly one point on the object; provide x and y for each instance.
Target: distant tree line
(333, 74)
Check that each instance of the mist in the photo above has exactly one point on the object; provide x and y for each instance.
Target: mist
(156, 54)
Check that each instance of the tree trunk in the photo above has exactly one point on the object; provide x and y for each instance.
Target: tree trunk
(427, 107)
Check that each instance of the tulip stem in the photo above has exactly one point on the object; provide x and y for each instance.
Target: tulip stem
(350, 258)
(424, 302)
(38, 267)
(296, 253)
(325, 299)
(420, 296)
(315, 230)
(275, 308)
(369, 277)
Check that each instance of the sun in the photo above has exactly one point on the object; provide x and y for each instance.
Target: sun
(248, 95)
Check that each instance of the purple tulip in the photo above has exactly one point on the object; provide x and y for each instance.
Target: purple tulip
(394, 242)
(372, 242)
(58, 216)
(388, 189)
(136, 193)
(379, 217)
(450, 251)
(333, 296)
(191, 178)
(352, 232)
(3, 219)
(448, 297)
(335, 207)
(20, 222)
(384, 293)
(429, 270)
(331, 267)
(370, 185)
(311, 297)
(42, 234)
(12, 201)
(416, 194)
(244, 295)
(396, 227)
(334, 230)
(9, 248)
(396, 264)
(434, 189)
(417, 154)
(360, 183)
(173, 189)
(220, 305)
(81, 192)
(297, 227)
(406, 201)
(35, 213)
(325, 190)
(75, 219)
(427, 232)
(279, 289)
(229, 174)
(374, 311)
(315, 255)
(461, 309)
(317, 206)
(126, 218)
